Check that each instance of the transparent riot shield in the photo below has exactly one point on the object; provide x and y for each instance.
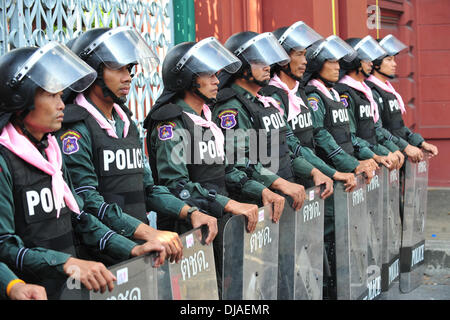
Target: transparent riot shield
(374, 192)
(194, 277)
(392, 231)
(300, 271)
(136, 280)
(412, 251)
(250, 260)
(351, 225)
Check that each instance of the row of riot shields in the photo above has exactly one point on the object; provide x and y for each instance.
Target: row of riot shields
(375, 247)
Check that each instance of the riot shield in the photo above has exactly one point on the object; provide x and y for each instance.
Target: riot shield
(250, 260)
(392, 231)
(136, 280)
(194, 277)
(375, 233)
(300, 270)
(351, 225)
(412, 251)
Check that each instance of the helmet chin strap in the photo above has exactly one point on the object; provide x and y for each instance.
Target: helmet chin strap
(327, 83)
(208, 101)
(377, 69)
(287, 69)
(18, 120)
(251, 78)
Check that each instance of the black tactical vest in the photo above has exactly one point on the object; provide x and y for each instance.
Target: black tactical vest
(365, 126)
(336, 122)
(204, 164)
(35, 215)
(301, 125)
(391, 115)
(267, 121)
(118, 163)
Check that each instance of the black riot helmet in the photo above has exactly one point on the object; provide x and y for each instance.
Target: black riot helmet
(332, 48)
(367, 49)
(253, 48)
(187, 60)
(52, 67)
(114, 48)
(392, 47)
(298, 36)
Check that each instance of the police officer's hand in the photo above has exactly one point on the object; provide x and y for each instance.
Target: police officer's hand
(93, 275)
(250, 211)
(394, 161)
(347, 178)
(414, 153)
(269, 197)
(294, 190)
(25, 291)
(198, 219)
(385, 161)
(149, 247)
(430, 148)
(319, 178)
(168, 239)
(401, 158)
(367, 167)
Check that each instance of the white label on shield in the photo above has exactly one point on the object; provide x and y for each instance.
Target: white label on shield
(122, 276)
(261, 215)
(311, 195)
(190, 240)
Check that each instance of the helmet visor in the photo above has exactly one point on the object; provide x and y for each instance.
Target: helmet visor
(334, 48)
(368, 49)
(209, 56)
(299, 36)
(54, 67)
(392, 45)
(123, 46)
(264, 49)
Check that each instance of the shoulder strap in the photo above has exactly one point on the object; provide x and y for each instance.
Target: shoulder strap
(74, 113)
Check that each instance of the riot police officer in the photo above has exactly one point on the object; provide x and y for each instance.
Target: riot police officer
(43, 224)
(362, 108)
(102, 148)
(287, 87)
(391, 104)
(187, 150)
(242, 109)
(16, 289)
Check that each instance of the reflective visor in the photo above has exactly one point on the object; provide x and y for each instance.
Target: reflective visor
(368, 49)
(122, 46)
(299, 36)
(392, 45)
(334, 48)
(54, 67)
(264, 49)
(209, 56)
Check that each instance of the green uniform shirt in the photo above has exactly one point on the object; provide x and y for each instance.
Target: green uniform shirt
(172, 169)
(414, 139)
(341, 160)
(300, 166)
(299, 150)
(82, 172)
(6, 276)
(45, 262)
(376, 148)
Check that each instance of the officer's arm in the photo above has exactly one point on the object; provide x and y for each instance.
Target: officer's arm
(7, 277)
(40, 261)
(237, 182)
(172, 165)
(85, 182)
(341, 160)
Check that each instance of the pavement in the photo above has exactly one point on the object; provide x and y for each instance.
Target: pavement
(436, 279)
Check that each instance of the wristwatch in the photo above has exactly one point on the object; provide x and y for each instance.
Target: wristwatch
(189, 213)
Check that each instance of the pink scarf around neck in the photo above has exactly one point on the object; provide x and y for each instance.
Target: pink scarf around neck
(294, 101)
(269, 101)
(387, 86)
(218, 134)
(24, 149)
(101, 120)
(364, 88)
(319, 85)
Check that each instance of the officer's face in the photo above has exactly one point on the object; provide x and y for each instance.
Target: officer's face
(366, 66)
(260, 72)
(209, 85)
(388, 66)
(298, 62)
(118, 81)
(330, 70)
(47, 114)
